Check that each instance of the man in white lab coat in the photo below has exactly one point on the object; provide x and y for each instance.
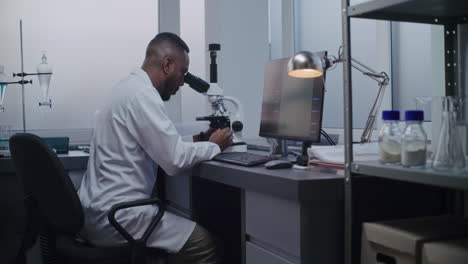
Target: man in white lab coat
(133, 135)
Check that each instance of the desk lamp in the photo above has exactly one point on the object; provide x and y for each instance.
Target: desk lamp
(305, 64)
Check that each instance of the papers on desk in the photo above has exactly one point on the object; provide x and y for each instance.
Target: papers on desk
(335, 154)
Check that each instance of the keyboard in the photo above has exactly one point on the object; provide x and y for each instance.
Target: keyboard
(242, 158)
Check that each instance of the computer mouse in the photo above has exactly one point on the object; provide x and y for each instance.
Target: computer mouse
(278, 164)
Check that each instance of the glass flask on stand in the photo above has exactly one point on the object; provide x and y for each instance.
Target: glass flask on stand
(44, 71)
(3, 87)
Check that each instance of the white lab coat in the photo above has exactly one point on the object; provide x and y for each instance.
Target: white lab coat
(133, 136)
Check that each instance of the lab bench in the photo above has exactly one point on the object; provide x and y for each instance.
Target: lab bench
(274, 216)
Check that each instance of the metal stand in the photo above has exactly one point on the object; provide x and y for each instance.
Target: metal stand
(348, 133)
(22, 78)
(22, 74)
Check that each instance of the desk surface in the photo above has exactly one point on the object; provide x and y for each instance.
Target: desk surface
(74, 160)
(313, 184)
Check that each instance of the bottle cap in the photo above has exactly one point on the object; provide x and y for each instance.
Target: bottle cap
(391, 115)
(414, 115)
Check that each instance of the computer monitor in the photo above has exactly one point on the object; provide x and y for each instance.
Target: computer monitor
(291, 107)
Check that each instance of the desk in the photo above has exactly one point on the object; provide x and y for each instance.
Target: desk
(265, 216)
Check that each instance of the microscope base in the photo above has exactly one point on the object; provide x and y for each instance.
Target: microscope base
(237, 148)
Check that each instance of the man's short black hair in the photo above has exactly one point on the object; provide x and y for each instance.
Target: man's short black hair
(166, 37)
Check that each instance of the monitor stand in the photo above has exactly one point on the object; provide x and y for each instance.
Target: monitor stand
(301, 160)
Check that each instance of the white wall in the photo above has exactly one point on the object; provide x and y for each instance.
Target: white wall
(192, 29)
(241, 27)
(281, 28)
(90, 44)
(169, 21)
(319, 27)
(244, 52)
(418, 63)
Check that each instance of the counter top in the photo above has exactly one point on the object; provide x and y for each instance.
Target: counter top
(310, 184)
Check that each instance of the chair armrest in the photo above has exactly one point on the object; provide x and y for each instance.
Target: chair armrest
(152, 225)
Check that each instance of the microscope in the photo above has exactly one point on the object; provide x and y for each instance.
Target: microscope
(220, 116)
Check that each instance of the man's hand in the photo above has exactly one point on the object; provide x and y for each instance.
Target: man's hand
(204, 136)
(222, 137)
(208, 133)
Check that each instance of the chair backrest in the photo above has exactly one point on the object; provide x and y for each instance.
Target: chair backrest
(42, 171)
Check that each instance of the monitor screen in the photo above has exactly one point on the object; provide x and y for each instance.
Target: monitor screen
(291, 107)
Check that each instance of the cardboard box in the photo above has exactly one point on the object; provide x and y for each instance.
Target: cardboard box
(400, 241)
(446, 252)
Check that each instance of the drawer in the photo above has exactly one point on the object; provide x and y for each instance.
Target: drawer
(273, 221)
(258, 255)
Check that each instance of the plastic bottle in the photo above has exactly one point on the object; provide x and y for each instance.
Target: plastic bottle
(390, 139)
(413, 141)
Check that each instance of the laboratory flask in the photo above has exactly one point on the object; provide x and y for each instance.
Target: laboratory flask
(44, 71)
(448, 153)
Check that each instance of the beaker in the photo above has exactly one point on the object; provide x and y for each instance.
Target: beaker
(448, 153)
(461, 135)
(462, 130)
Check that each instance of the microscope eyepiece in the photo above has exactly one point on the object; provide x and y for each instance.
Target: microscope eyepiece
(214, 46)
(196, 83)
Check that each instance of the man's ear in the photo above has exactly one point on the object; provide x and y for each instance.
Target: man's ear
(167, 64)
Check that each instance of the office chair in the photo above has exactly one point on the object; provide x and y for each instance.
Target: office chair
(17, 232)
(60, 214)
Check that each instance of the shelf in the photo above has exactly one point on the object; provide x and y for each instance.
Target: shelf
(424, 176)
(419, 11)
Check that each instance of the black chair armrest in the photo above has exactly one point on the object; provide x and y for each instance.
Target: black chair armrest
(152, 225)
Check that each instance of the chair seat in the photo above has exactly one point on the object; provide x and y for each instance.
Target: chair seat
(82, 253)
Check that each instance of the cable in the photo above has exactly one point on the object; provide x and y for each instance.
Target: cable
(327, 137)
(331, 140)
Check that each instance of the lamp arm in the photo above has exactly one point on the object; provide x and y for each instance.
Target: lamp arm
(367, 132)
(381, 78)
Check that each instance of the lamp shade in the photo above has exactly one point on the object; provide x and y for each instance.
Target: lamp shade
(305, 65)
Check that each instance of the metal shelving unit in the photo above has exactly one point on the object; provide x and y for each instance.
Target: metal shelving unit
(449, 13)
(419, 11)
(424, 176)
